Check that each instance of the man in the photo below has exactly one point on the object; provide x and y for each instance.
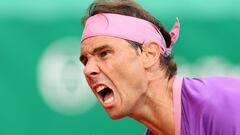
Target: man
(128, 65)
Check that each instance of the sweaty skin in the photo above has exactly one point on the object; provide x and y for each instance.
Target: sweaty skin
(140, 88)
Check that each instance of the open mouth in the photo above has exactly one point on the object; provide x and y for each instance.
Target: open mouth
(106, 94)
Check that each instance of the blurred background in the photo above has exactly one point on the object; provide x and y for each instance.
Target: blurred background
(42, 89)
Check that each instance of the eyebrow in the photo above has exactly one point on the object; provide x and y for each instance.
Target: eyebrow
(99, 49)
(96, 50)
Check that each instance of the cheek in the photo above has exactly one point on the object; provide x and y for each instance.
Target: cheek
(126, 72)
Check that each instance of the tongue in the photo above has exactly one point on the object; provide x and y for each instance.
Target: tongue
(108, 98)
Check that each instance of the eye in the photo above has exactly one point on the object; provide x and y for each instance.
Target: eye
(104, 53)
(84, 60)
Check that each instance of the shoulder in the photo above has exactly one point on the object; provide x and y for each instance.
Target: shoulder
(212, 91)
(212, 103)
(209, 86)
(212, 82)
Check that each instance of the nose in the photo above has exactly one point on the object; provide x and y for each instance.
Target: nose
(91, 69)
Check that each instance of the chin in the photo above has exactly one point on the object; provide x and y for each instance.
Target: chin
(114, 115)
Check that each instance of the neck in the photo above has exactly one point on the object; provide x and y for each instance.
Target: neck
(155, 108)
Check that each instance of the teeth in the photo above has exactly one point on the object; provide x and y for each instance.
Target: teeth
(109, 100)
(99, 88)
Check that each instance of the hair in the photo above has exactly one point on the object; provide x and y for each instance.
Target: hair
(130, 8)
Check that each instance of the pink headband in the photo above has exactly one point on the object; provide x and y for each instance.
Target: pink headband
(130, 28)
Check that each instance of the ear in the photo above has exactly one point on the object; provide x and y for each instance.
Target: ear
(151, 54)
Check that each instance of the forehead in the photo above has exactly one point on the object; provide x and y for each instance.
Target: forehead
(89, 44)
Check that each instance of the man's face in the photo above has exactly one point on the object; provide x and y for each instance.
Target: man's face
(115, 73)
